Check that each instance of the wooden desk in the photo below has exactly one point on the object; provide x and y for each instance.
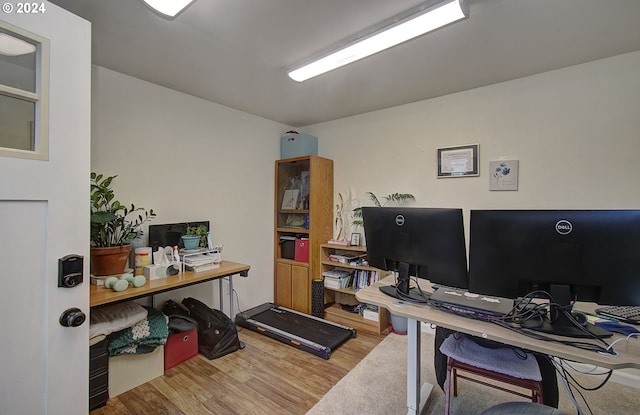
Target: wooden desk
(100, 295)
(628, 352)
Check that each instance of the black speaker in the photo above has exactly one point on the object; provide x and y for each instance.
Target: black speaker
(317, 298)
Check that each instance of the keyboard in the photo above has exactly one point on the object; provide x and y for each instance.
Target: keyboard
(625, 314)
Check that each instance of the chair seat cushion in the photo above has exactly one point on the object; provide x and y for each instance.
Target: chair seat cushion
(506, 360)
(522, 408)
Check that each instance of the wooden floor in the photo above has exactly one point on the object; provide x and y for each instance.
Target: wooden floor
(266, 377)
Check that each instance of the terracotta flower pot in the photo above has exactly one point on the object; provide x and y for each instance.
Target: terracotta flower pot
(109, 261)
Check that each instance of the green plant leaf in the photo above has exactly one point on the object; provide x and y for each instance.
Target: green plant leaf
(110, 225)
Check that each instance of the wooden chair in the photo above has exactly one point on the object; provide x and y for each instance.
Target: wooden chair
(492, 378)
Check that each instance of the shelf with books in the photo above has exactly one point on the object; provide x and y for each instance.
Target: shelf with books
(345, 271)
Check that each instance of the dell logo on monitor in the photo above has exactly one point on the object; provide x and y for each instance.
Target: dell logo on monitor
(564, 227)
(399, 220)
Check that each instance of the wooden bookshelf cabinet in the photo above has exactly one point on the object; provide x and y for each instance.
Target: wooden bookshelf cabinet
(335, 297)
(307, 219)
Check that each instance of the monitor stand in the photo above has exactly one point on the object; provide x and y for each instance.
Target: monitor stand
(402, 290)
(413, 296)
(561, 324)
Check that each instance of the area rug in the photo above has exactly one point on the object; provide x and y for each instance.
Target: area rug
(377, 385)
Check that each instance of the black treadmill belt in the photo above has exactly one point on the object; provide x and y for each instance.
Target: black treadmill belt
(309, 333)
(302, 326)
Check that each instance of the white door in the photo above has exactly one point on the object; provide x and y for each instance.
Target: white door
(44, 216)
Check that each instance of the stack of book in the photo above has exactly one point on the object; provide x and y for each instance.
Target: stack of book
(201, 262)
(346, 259)
(364, 278)
(337, 278)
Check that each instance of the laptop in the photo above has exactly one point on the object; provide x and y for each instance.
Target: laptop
(474, 305)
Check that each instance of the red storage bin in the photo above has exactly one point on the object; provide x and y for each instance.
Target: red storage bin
(180, 347)
(302, 250)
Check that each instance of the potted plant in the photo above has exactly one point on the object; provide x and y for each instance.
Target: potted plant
(196, 237)
(398, 323)
(395, 199)
(113, 227)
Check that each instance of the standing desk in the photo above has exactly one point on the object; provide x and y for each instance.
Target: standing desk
(628, 352)
(99, 295)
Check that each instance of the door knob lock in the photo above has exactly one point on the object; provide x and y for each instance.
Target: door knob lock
(72, 317)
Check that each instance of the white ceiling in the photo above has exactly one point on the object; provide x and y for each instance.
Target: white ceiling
(236, 52)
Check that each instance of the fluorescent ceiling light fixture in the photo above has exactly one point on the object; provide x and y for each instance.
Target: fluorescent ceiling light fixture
(401, 28)
(12, 46)
(168, 7)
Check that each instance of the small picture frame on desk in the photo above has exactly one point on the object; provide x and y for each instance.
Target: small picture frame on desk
(355, 239)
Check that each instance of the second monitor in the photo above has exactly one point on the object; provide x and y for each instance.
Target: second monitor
(425, 243)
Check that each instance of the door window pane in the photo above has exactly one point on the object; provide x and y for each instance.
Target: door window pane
(17, 62)
(24, 74)
(17, 118)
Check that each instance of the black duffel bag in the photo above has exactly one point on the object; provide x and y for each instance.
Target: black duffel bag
(217, 333)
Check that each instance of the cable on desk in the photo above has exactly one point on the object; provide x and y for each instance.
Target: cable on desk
(425, 296)
(538, 336)
(626, 339)
(508, 323)
(523, 311)
(542, 309)
(565, 383)
(572, 385)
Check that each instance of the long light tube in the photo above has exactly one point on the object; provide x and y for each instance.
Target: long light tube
(426, 20)
(168, 7)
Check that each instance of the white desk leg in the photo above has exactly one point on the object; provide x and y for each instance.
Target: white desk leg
(413, 367)
(416, 395)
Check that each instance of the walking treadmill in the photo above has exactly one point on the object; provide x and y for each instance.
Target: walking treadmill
(311, 334)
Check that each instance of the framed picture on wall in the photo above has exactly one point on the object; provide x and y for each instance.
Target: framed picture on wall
(458, 161)
(504, 175)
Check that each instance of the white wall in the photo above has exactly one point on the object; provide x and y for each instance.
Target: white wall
(576, 132)
(191, 159)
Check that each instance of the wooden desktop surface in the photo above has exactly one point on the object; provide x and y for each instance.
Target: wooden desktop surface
(628, 351)
(101, 295)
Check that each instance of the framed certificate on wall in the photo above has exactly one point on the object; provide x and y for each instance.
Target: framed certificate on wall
(459, 161)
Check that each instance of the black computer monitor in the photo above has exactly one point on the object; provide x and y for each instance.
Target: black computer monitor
(170, 234)
(426, 243)
(574, 255)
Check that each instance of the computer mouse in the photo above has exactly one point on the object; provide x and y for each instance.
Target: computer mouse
(580, 318)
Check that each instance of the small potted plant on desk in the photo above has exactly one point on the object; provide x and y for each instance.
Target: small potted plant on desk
(196, 237)
(112, 229)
